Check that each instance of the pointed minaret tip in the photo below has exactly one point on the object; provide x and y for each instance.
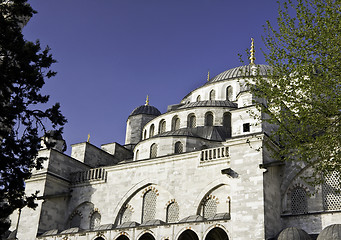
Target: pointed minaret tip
(88, 140)
(147, 101)
(252, 52)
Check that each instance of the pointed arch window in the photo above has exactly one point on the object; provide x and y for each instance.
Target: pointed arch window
(172, 213)
(192, 121)
(212, 95)
(137, 154)
(162, 126)
(175, 123)
(149, 206)
(229, 93)
(299, 201)
(198, 98)
(145, 134)
(178, 148)
(153, 150)
(151, 130)
(95, 220)
(209, 119)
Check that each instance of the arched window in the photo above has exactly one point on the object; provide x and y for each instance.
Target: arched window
(153, 150)
(212, 95)
(299, 201)
(178, 148)
(126, 214)
(145, 134)
(172, 213)
(151, 130)
(162, 126)
(191, 121)
(209, 119)
(229, 93)
(175, 123)
(95, 220)
(227, 123)
(198, 98)
(137, 155)
(149, 206)
(209, 208)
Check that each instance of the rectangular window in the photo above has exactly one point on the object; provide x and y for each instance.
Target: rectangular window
(246, 127)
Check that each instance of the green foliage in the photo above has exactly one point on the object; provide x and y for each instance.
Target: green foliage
(303, 91)
(24, 66)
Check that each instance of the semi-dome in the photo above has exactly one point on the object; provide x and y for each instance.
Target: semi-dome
(293, 233)
(332, 232)
(145, 109)
(242, 71)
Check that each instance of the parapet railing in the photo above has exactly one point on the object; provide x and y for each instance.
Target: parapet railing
(214, 153)
(95, 174)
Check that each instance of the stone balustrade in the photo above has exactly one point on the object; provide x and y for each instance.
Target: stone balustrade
(95, 174)
(214, 153)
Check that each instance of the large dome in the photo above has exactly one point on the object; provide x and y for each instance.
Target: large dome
(293, 233)
(332, 232)
(242, 71)
(145, 109)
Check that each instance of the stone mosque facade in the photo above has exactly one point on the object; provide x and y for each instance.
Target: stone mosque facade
(199, 171)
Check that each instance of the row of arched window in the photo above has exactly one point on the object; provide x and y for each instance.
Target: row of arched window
(191, 123)
(212, 95)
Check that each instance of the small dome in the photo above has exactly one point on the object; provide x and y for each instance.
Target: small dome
(242, 71)
(293, 233)
(332, 232)
(145, 109)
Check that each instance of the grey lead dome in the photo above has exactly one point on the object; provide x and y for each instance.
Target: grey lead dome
(145, 109)
(242, 71)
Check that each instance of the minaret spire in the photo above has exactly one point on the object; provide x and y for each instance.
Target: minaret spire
(252, 53)
(147, 101)
(208, 75)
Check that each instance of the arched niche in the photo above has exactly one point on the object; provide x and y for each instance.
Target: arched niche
(147, 236)
(216, 234)
(188, 235)
(122, 237)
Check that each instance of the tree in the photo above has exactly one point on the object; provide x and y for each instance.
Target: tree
(303, 91)
(24, 66)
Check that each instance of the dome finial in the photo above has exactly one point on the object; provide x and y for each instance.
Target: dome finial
(208, 75)
(88, 140)
(147, 101)
(252, 52)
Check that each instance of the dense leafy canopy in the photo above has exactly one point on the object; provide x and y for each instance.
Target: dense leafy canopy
(303, 91)
(24, 66)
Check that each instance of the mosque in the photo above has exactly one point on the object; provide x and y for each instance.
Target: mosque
(199, 171)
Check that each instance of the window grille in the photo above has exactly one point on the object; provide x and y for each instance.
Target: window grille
(192, 121)
(229, 92)
(95, 220)
(198, 98)
(126, 214)
(179, 147)
(172, 213)
(331, 191)
(210, 208)
(299, 201)
(149, 206)
(212, 95)
(209, 119)
(151, 130)
(153, 150)
(162, 126)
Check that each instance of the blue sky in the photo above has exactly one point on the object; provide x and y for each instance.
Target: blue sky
(111, 54)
